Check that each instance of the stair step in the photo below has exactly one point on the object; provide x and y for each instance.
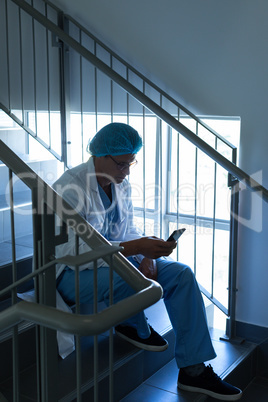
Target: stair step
(138, 375)
(163, 384)
(127, 360)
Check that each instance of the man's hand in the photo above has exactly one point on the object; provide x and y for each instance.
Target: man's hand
(150, 247)
(148, 268)
(153, 247)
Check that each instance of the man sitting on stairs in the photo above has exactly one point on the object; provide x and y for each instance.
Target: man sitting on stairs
(99, 192)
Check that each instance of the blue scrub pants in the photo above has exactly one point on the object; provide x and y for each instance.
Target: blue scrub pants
(181, 296)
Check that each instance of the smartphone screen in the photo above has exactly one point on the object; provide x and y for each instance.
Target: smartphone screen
(176, 234)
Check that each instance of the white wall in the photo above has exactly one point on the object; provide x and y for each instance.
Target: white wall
(213, 56)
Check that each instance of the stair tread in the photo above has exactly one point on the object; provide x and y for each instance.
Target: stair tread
(128, 358)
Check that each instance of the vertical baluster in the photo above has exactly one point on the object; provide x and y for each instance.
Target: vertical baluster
(127, 77)
(81, 99)
(195, 200)
(49, 340)
(95, 307)
(34, 75)
(77, 311)
(21, 69)
(144, 161)
(15, 348)
(7, 58)
(234, 184)
(112, 91)
(178, 183)
(96, 88)
(214, 221)
(160, 173)
(111, 356)
(48, 85)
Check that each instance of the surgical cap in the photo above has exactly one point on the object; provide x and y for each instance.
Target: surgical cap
(115, 139)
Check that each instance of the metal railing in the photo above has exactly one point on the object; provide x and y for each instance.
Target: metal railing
(73, 58)
(149, 95)
(46, 206)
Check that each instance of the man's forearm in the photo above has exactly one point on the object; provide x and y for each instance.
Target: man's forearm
(131, 247)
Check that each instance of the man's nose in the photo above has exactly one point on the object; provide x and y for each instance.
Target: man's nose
(126, 170)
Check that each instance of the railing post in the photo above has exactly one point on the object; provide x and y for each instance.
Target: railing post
(230, 335)
(44, 248)
(49, 351)
(64, 91)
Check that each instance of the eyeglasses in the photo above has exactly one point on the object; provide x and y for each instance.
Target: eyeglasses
(123, 165)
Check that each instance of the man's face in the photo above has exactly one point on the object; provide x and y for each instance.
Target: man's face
(117, 167)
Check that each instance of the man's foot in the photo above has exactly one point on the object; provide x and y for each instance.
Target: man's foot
(209, 383)
(154, 343)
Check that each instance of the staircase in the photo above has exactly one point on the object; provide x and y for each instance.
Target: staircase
(138, 375)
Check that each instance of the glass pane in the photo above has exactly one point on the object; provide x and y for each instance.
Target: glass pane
(186, 179)
(55, 128)
(223, 195)
(89, 130)
(221, 265)
(185, 248)
(150, 162)
(75, 146)
(187, 156)
(136, 175)
(204, 241)
(205, 185)
(43, 126)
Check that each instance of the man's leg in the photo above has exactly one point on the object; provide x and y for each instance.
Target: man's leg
(121, 290)
(186, 311)
(193, 345)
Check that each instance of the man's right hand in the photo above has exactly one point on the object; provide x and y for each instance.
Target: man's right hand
(150, 247)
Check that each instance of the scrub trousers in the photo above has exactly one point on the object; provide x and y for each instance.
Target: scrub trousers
(182, 299)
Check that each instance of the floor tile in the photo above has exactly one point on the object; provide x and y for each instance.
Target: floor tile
(257, 391)
(146, 393)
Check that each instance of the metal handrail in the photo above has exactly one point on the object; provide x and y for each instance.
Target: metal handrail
(78, 324)
(148, 291)
(146, 101)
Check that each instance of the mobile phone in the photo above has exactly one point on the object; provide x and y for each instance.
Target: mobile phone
(176, 234)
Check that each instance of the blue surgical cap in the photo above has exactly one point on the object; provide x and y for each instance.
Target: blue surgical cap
(115, 139)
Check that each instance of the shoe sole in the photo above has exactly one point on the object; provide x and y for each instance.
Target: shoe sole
(140, 345)
(210, 393)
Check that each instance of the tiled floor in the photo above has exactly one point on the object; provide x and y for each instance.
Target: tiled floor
(257, 391)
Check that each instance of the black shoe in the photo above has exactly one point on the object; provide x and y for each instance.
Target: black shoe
(154, 343)
(209, 383)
